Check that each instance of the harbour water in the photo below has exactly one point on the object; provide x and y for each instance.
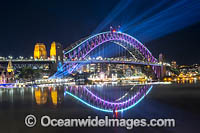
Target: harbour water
(176, 101)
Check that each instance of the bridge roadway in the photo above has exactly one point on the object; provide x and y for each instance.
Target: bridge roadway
(17, 63)
(26, 61)
(111, 62)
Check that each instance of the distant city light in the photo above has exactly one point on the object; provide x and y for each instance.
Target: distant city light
(102, 75)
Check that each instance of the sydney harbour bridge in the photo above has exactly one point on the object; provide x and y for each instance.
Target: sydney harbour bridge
(78, 54)
(82, 52)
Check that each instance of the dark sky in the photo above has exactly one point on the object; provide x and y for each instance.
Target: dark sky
(23, 23)
(182, 46)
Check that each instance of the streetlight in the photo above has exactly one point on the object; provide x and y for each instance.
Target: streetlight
(10, 57)
(21, 57)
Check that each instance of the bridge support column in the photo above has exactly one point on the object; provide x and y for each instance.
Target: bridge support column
(163, 71)
(53, 68)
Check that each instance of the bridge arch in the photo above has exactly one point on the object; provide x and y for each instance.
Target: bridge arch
(81, 49)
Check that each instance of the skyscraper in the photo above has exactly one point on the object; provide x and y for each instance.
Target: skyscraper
(161, 58)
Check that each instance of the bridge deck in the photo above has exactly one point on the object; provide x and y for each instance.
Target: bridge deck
(111, 62)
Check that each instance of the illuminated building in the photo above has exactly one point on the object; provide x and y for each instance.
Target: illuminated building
(161, 58)
(92, 68)
(7, 74)
(138, 70)
(99, 67)
(84, 68)
(10, 67)
(129, 72)
(102, 75)
(108, 69)
(173, 64)
(3, 75)
(88, 68)
(40, 51)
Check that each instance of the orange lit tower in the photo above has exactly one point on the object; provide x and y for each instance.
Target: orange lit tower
(40, 51)
(53, 50)
(56, 51)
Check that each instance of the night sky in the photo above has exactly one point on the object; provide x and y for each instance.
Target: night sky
(23, 23)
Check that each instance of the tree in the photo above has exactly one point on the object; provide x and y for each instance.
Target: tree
(30, 74)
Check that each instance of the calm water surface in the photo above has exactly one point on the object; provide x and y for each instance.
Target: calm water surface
(178, 101)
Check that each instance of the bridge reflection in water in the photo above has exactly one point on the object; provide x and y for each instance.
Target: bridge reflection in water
(103, 98)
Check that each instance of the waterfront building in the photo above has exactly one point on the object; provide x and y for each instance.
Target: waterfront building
(129, 72)
(173, 64)
(7, 74)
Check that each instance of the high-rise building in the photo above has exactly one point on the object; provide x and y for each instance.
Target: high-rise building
(92, 68)
(161, 58)
(40, 51)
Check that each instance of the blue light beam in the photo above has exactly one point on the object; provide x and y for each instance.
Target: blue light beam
(123, 4)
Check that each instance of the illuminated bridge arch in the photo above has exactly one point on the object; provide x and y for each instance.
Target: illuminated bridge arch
(81, 49)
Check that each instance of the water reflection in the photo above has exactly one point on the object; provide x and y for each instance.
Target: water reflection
(41, 95)
(104, 98)
(54, 95)
(57, 94)
(123, 100)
